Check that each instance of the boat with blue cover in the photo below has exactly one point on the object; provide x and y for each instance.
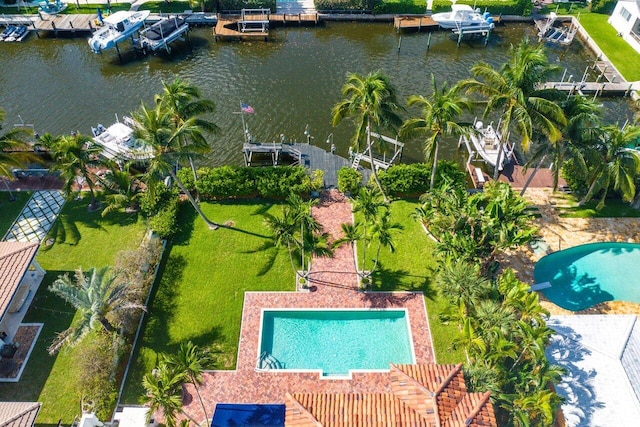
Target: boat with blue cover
(163, 32)
(51, 7)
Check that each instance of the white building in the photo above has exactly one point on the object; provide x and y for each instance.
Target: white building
(626, 20)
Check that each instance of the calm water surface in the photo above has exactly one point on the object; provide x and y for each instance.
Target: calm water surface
(291, 81)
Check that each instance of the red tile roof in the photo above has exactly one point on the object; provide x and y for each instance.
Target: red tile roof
(15, 258)
(421, 395)
(18, 414)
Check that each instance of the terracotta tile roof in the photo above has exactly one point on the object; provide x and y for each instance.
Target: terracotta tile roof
(18, 414)
(421, 395)
(15, 258)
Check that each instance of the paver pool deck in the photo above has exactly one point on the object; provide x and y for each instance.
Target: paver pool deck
(334, 285)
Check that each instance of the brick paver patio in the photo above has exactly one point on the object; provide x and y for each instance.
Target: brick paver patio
(334, 285)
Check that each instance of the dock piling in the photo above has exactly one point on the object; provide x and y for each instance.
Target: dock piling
(429, 41)
(399, 44)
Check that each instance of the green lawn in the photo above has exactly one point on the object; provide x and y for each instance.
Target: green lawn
(9, 210)
(91, 241)
(623, 56)
(614, 208)
(204, 277)
(171, 7)
(412, 267)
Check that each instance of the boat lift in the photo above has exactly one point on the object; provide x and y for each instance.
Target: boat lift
(367, 156)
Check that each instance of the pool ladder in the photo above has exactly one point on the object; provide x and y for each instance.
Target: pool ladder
(267, 362)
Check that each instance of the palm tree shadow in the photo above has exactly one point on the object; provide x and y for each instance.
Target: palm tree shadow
(401, 280)
(186, 223)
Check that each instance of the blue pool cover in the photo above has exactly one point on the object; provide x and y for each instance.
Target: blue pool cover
(235, 414)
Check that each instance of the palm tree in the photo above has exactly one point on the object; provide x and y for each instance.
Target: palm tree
(438, 120)
(74, 155)
(460, 282)
(154, 127)
(163, 388)
(613, 164)
(371, 101)
(351, 233)
(184, 102)
(368, 203)
(191, 360)
(99, 298)
(382, 233)
(124, 188)
(11, 140)
(514, 90)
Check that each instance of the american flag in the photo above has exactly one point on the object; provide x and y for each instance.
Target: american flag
(247, 109)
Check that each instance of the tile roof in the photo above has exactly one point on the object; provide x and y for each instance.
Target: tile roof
(421, 395)
(15, 258)
(18, 414)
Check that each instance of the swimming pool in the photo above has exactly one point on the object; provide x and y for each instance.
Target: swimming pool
(334, 342)
(586, 275)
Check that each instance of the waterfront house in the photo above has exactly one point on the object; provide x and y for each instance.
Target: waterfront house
(626, 20)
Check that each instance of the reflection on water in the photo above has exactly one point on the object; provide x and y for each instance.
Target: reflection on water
(291, 81)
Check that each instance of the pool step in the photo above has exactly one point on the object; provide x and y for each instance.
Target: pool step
(268, 362)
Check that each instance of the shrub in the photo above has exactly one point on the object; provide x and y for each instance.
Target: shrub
(339, 4)
(495, 7)
(317, 180)
(282, 181)
(414, 179)
(165, 222)
(603, 6)
(245, 4)
(185, 175)
(224, 182)
(349, 180)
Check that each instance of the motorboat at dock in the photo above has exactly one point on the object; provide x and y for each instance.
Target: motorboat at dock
(463, 17)
(119, 143)
(486, 142)
(163, 32)
(117, 27)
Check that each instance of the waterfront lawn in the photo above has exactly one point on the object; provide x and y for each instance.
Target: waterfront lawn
(90, 241)
(203, 279)
(168, 7)
(623, 56)
(91, 9)
(412, 268)
(9, 210)
(614, 208)
(86, 239)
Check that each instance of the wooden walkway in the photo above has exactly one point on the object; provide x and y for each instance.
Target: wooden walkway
(421, 22)
(594, 88)
(516, 177)
(65, 23)
(307, 155)
(227, 29)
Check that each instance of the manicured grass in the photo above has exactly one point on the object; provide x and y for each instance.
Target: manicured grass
(412, 268)
(9, 210)
(164, 7)
(90, 241)
(91, 9)
(203, 280)
(86, 239)
(623, 56)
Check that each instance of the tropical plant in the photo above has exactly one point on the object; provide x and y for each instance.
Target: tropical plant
(191, 360)
(124, 188)
(184, 103)
(612, 164)
(155, 127)
(13, 139)
(99, 298)
(371, 101)
(515, 91)
(368, 203)
(74, 157)
(382, 231)
(439, 113)
(163, 388)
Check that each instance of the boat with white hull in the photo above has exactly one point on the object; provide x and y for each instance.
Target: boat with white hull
(486, 142)
(463, 16)
(118, 142)
(163, 32)
(117, 27)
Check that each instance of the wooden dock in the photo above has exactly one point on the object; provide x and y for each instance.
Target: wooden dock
(227, 29)
(594, 88)
(65, 23)
(517, 178)
(414, 23)
(307, 155)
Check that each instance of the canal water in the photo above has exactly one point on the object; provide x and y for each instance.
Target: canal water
(291, 81)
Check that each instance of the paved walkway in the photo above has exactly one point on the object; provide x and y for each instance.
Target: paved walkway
(333, 285)
(37, 217)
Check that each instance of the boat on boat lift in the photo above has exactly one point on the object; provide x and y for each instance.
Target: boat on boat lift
(487, 143)
(163, 32)
(117, 27)
(119, 143)
(463, 16)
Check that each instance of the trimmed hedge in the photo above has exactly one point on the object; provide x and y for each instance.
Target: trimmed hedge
(245, 4)
(496, 7)
(349, 180)
(414, 179)
(231, 181)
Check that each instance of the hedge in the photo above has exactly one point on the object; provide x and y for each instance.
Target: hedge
(413, 180)
(496, 7)
(349, 180)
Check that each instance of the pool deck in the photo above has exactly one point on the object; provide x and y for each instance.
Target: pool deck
(562, 233)
(333, 285)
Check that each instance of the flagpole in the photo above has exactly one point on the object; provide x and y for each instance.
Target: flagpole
(245, 131)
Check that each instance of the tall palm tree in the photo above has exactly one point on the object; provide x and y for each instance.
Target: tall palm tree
(439, 113)
(382, 231)
(191, 361)
(184, 102)
(368, 203)
(371, 102)
(124, 189)
(163, 388)
(154, 126)
(582, 127)
(74, 156)
(351, 233)
(99, 298)
(515, 92)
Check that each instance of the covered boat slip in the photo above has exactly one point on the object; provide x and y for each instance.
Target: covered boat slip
(163, 32)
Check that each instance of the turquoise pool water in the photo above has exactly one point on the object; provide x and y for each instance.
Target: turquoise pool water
(586, 275)
(335, 341)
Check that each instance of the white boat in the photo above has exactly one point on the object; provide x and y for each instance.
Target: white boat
(51, 7)
(117, 27)
(118, 142)
(463, 16)
(486, 143)
(163, 32)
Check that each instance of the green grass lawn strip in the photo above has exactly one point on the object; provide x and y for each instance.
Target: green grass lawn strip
(95, 241)
(9, 210)
(200, 294)
(412, 268)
